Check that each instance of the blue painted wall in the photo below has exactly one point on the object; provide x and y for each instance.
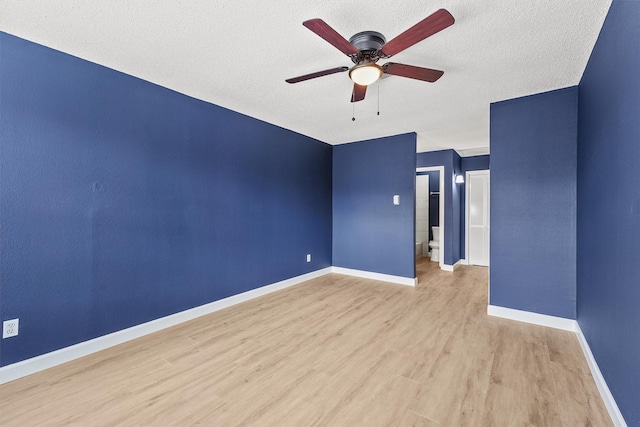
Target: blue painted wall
(533, 203)
(609, 205)
(122, 201)
(473, 163)
(369, 232)
(452, 165)
(456, 191)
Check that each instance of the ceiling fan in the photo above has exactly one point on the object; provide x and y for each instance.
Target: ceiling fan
(367, 47)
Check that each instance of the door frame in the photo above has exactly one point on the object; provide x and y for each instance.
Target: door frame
(466, 213)
(428, 207)
(441, 223)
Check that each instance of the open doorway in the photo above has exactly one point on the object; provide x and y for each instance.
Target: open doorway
(430, 199)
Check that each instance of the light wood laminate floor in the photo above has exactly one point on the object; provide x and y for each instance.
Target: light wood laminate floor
(334, 351)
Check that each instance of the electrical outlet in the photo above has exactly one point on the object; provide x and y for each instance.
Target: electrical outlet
(10, 328)
(308, 257)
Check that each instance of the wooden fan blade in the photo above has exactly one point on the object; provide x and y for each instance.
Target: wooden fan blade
(412, 72)
(323, 29)
(317, 74)
(358, 93)
(433, 23)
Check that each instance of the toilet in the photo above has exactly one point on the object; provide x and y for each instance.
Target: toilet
(434, 244)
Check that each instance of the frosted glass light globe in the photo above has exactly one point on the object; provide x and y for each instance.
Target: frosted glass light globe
(365, 74)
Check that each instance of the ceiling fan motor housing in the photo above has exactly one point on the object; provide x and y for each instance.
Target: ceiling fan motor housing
(367, 42)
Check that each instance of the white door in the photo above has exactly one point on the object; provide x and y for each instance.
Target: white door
(422, 212)
(478, 217)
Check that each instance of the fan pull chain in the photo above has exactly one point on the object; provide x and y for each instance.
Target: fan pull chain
(353, 111)
(378, 97)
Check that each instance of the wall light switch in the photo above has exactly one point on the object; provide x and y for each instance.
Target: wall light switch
(308, 257)
(396, 199)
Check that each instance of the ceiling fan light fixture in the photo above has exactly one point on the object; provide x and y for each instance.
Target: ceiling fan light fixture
(365, 74)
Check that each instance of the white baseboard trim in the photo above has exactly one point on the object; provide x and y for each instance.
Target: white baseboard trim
(375, 276)
(454, 267)
(603, 388)
(534, 318)
(67, 354)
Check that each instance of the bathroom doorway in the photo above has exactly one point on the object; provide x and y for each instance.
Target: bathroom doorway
(430, 196)
(423, 219)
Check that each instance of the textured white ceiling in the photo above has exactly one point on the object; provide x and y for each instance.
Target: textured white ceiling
(237, 54)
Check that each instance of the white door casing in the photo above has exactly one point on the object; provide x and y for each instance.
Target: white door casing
(422, 212)
(441, 203)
